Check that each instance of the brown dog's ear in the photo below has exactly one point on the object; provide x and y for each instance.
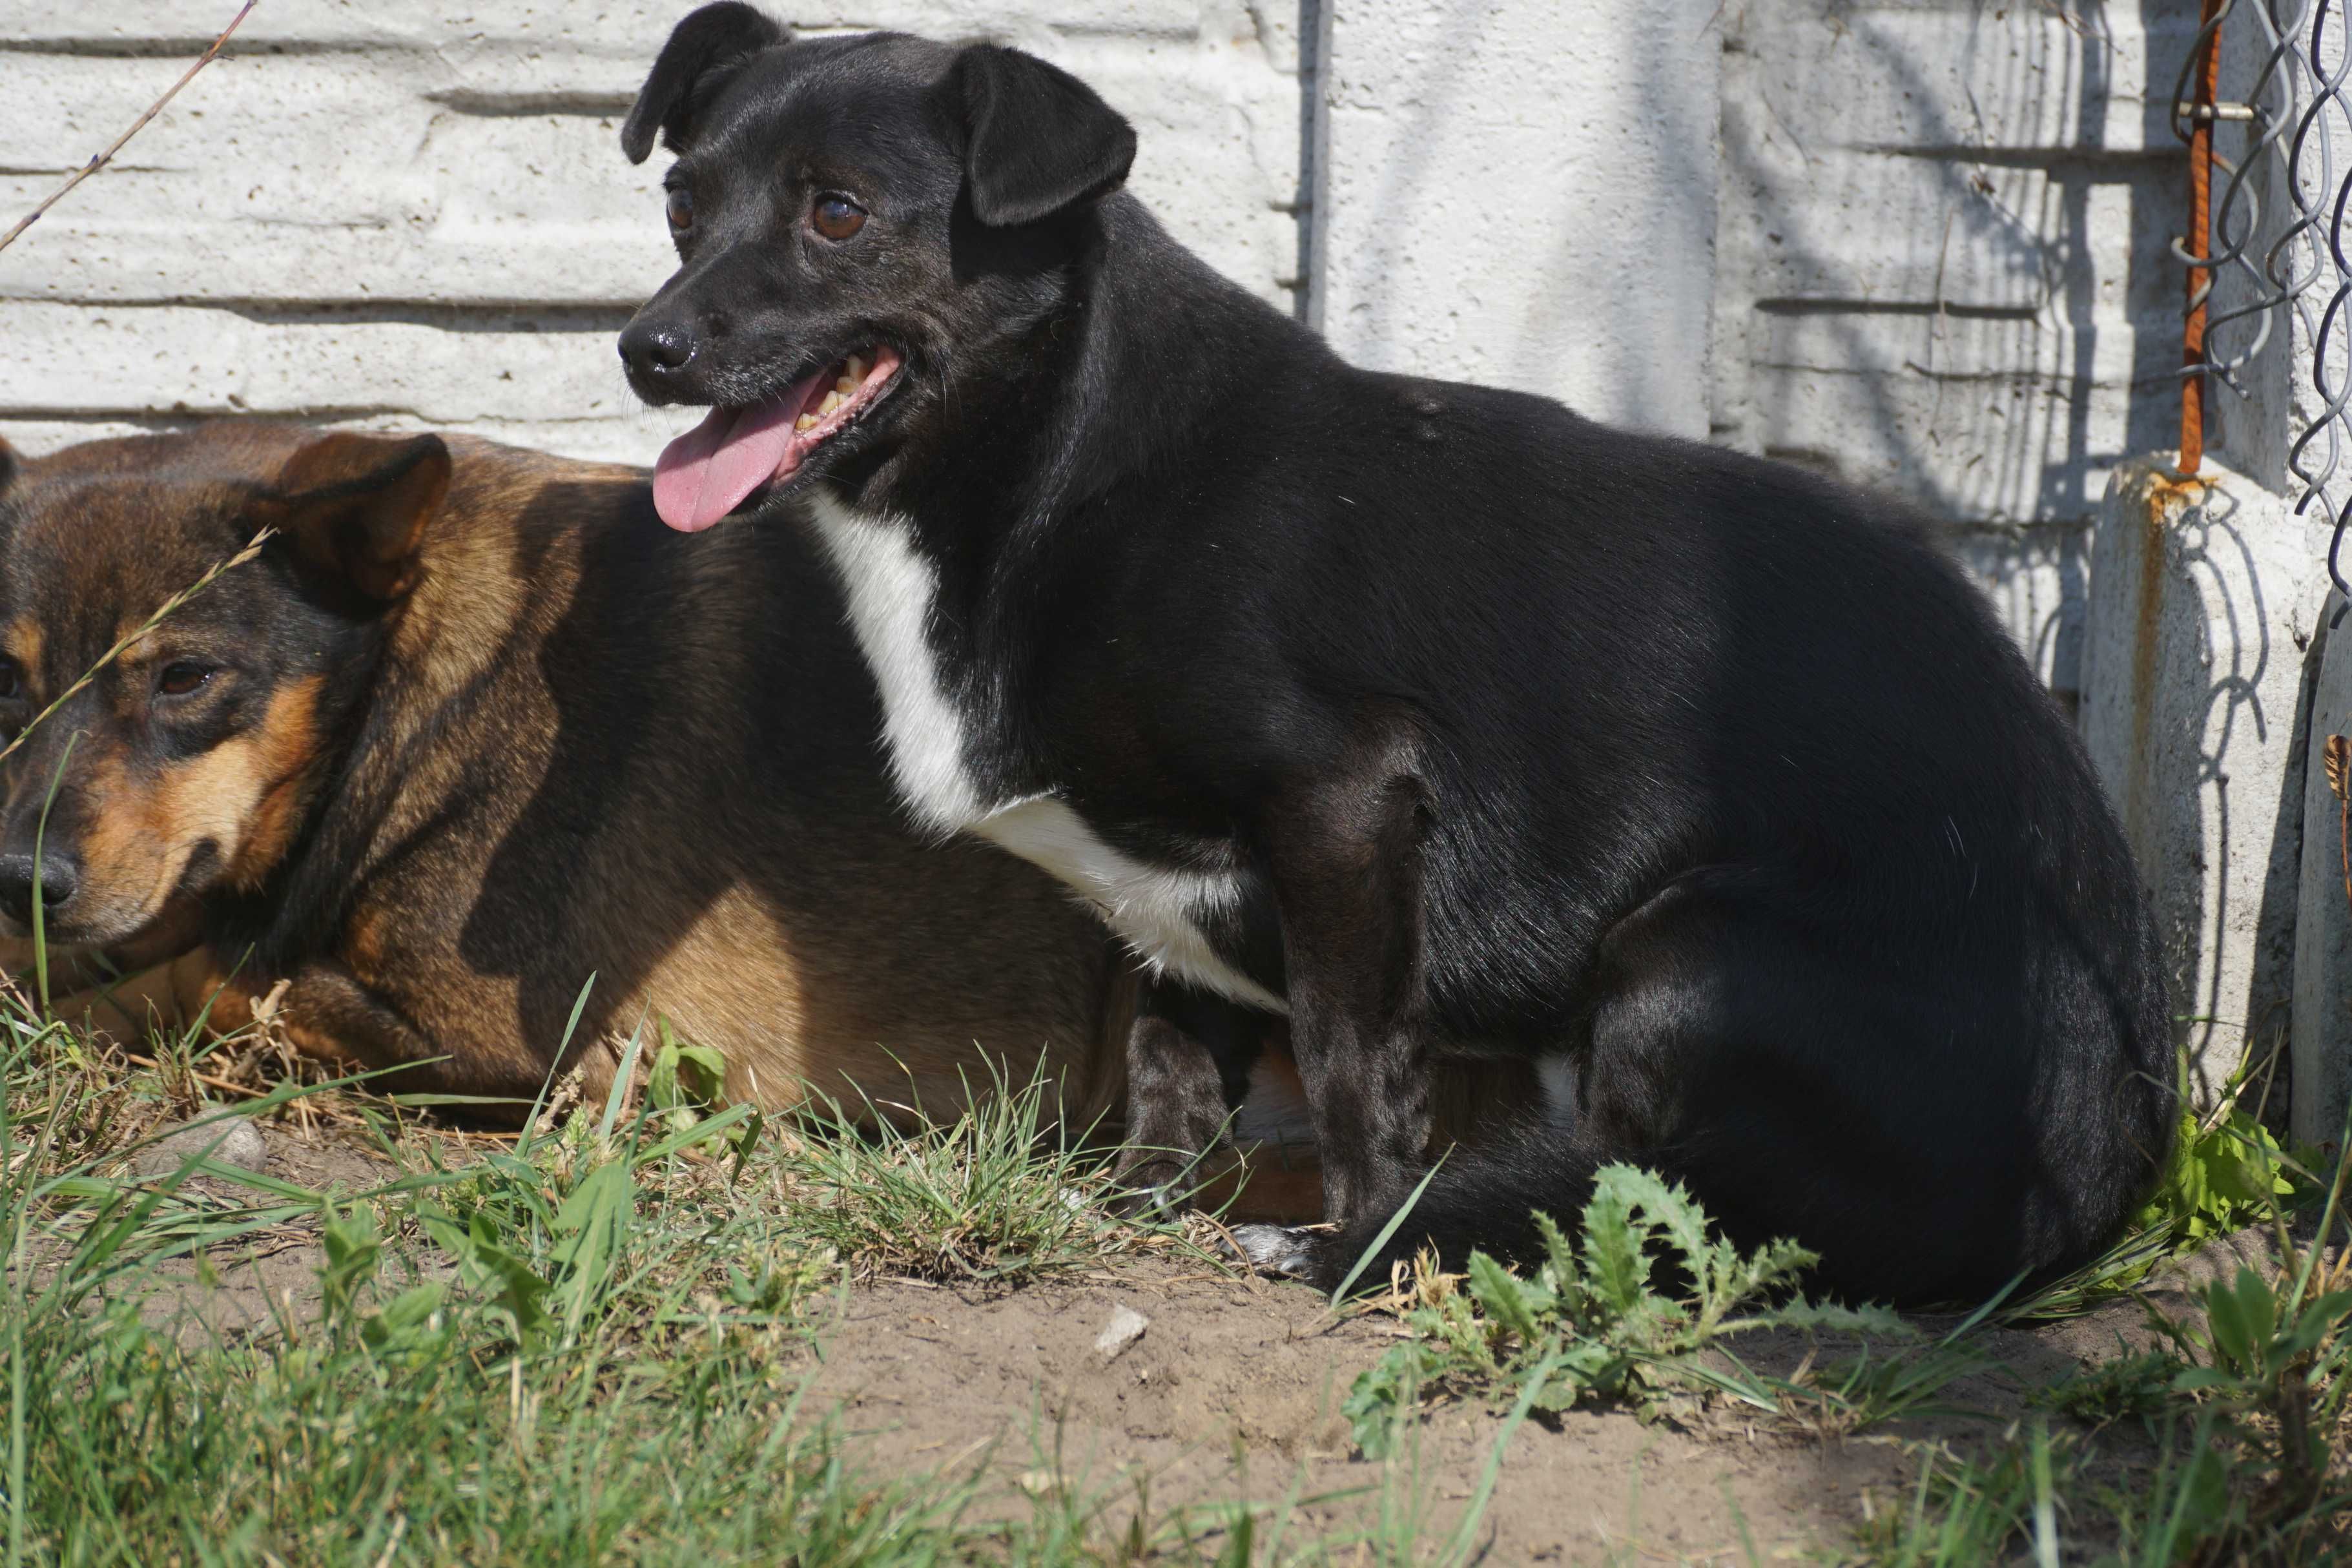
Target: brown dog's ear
(355, 506)
(1036, 138)
(702, 51)
(7, 463)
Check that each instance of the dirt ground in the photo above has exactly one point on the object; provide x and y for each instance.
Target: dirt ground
(1256, 1369)
(1234, 1388)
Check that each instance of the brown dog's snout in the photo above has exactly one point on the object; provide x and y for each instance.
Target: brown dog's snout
(55, 873)
(656, 351)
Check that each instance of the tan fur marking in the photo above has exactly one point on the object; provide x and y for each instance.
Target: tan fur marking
(733, 977)
(284, 747)
(243, 796)
(368, 939)
(126, 1009)
(22, 642)
(464, 607)
(737, 979)
(130, 860)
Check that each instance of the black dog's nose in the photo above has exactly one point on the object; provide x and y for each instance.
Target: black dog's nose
(656, 348)
(59, 878)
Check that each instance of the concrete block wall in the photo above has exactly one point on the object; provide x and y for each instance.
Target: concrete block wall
(1942, 264)
(1916, 241)
(409, 212)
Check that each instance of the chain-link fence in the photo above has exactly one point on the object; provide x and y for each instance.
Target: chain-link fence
(2261, 100)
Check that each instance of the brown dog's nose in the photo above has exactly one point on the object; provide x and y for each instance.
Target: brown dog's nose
(59, 878)
(655, 351)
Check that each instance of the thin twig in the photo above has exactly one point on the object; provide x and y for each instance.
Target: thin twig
(252, 548)
(95, 165)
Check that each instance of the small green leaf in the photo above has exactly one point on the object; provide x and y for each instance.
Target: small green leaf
(1376, 1398)
(1505, 1297)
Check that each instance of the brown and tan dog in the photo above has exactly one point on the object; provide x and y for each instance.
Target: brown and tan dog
(472, 726)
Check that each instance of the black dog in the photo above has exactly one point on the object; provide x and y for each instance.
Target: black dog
(1436, 713)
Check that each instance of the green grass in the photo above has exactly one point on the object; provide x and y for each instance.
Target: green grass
(595, 1344)
(1594, 1324)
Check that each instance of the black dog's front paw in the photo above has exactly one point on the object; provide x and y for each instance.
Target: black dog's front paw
(1153, 1184)
(1284, 1251)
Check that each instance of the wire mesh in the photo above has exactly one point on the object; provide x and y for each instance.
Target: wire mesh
(2294, 112)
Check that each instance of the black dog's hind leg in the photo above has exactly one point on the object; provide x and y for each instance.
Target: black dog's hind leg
(1799, 1089)
(1189, 1055)
(1346, 853)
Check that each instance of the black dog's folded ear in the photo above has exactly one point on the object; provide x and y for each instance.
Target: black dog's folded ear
(1036, 138)
(355, 507)
(715, 39)
(7, 464)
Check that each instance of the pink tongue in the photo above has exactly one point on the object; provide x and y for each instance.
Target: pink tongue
(705, 473)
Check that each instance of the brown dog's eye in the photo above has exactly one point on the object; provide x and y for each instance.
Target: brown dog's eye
(835, 216)
(180, 677)
(679, 209)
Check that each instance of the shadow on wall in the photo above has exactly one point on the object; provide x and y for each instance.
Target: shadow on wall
(1943, 268)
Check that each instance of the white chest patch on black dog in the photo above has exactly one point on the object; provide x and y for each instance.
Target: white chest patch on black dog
(1159, 910)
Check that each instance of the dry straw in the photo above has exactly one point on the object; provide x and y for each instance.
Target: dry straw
(101, 161)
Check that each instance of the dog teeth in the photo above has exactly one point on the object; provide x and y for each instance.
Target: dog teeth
(845, 387)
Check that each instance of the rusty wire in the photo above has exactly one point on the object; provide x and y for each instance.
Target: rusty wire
(2205, 68)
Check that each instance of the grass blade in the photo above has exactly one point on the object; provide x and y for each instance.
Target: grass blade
(619, 1091)
(1395, 1220)
(40, 832)
(556, 1065)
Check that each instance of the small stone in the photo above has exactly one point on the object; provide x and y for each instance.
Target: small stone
(232, 1143)
(1126, 1327)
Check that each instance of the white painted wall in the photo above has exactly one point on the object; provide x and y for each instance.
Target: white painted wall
(1524, 194)
(405, 213)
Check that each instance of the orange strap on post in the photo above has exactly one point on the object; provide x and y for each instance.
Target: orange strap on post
(2207, 78)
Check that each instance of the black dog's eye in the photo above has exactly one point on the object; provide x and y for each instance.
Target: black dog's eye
(12, 681)
(835, 216)
(181, 677)
(679, 209)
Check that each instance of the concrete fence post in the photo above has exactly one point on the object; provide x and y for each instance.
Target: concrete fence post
(2322, 1037)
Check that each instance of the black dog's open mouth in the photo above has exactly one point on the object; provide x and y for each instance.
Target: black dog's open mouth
(705, 473)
